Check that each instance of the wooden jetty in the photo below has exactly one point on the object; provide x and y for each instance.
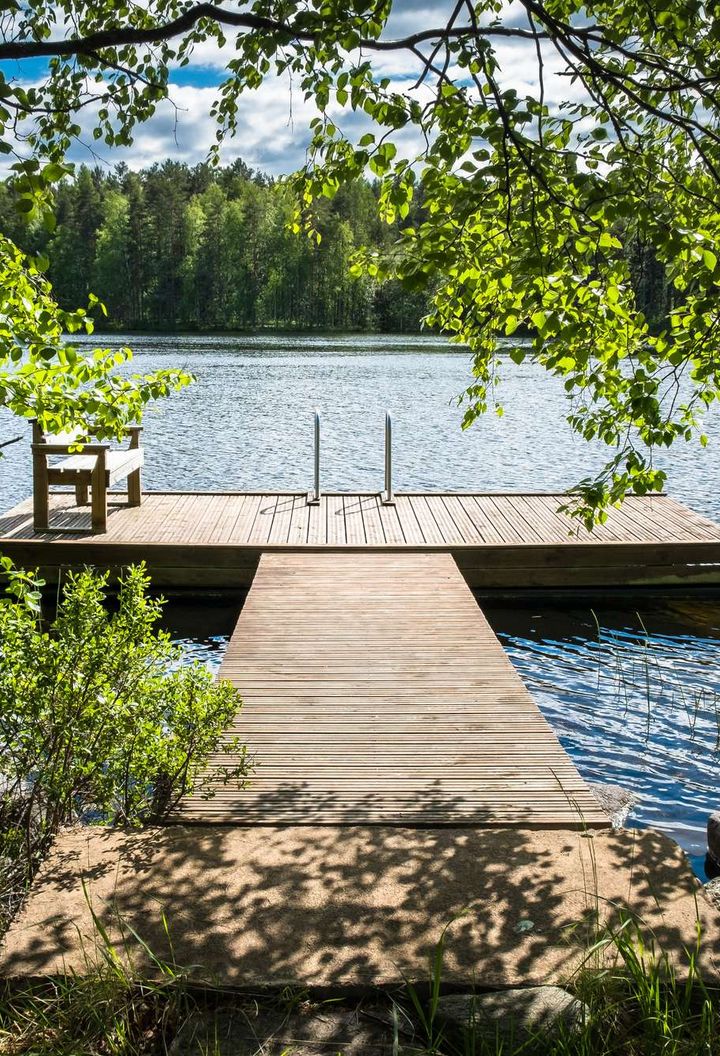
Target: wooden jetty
(375, 692)
(497, 540)
(403, 772)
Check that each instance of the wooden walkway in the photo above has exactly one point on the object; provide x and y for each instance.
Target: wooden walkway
(375, 691)
(510, 540)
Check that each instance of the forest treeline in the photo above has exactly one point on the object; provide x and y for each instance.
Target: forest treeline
(174, 247)
(179, 247)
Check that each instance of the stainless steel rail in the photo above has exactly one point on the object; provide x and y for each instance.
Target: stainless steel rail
(314, 496)
(388, 497)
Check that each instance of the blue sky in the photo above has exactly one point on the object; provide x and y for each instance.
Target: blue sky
(273, 121)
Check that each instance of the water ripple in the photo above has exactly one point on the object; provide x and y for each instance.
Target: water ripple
(634, 699)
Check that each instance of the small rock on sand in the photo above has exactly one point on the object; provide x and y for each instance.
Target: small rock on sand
(712, 890)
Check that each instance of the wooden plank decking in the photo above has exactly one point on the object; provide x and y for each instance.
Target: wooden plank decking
(375, 691)
(508, 541)
(273, 519)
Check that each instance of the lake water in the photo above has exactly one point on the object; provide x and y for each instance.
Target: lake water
(631, 686)
(247, 422)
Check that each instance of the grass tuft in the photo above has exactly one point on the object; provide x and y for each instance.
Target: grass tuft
(644, 1004)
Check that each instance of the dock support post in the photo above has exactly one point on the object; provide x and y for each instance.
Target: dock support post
(313, 498)
(388, 496)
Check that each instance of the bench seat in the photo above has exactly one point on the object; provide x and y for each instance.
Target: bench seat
(95, 467)
(118, 464)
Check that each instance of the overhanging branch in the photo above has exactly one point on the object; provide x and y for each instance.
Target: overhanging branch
(124, 36)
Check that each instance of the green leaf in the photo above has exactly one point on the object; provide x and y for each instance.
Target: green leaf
(709, 259)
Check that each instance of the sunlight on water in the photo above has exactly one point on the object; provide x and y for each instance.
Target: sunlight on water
(208, 651)
(201, 624)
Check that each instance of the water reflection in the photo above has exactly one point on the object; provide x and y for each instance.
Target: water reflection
(208, 651)
(202, 624)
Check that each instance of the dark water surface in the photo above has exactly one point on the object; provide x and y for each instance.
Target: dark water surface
(632, 689)
(631, 686)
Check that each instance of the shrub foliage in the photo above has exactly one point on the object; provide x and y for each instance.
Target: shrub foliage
(100, 718)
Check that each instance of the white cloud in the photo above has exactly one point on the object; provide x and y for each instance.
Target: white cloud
(272, 130)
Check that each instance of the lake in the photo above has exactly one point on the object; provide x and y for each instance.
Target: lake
(630, 684)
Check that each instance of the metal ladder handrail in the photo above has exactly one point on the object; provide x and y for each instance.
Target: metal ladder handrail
(313, 498)
(388, 496)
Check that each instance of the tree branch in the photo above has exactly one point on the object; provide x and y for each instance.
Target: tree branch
(129, 35)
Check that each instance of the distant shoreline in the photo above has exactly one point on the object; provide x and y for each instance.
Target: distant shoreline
(265, 331)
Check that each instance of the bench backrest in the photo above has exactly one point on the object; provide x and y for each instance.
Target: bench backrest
(70, 437)
(74, 436)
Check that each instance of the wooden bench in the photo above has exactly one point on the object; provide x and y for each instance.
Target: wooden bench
(96, 467)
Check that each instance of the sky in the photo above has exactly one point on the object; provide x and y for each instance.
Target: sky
(273, 121)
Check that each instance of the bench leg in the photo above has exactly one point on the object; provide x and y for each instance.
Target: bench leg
(41, 493)
(98, 486)
(81, 494)
(134, 488)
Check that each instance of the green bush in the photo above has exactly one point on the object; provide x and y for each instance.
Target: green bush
(100, 719)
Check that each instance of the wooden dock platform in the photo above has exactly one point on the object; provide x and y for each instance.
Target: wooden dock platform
(507, 541)
(376, 692)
